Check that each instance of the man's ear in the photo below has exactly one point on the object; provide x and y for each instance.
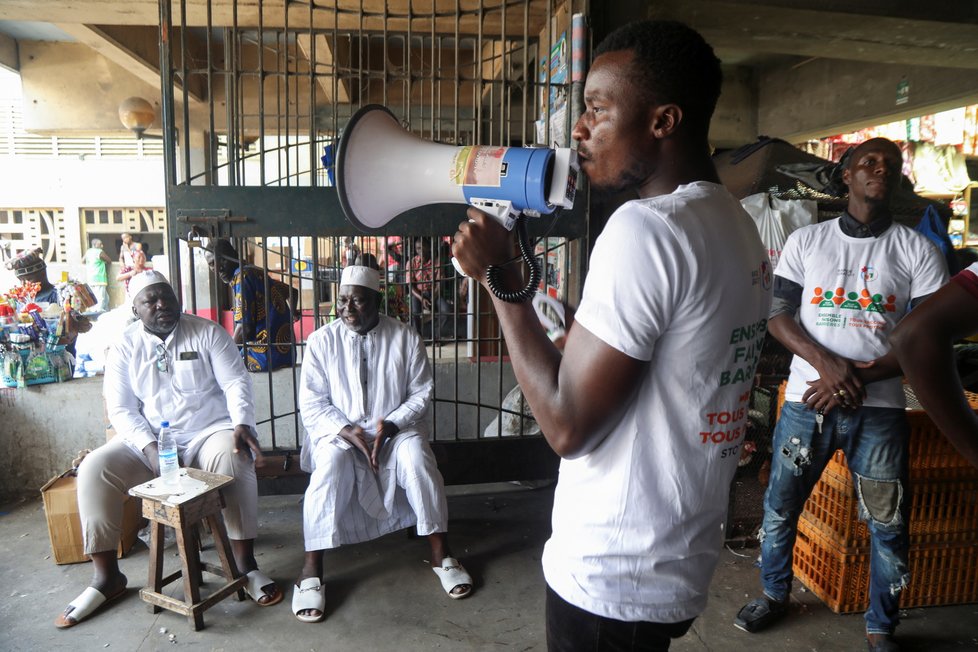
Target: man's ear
(846, 176)
(666, 119)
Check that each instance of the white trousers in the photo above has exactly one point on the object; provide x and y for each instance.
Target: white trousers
(346, 502)
(107, 473)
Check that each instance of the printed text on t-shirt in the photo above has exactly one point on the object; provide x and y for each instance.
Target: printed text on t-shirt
(746, 342)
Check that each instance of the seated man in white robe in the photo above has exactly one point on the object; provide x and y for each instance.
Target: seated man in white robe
(169, 366)
(365, 391)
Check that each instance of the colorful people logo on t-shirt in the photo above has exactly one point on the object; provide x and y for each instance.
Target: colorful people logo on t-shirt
(851, 302)
(823, 299)
(862, 301)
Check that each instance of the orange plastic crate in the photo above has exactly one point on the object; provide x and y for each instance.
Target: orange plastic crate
(931, 453)
(942, 510)
(941, 573)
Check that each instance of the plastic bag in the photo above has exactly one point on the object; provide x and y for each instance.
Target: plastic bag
(932, 226)
(776, 219)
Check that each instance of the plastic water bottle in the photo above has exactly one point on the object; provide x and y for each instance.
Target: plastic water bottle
(169, 463)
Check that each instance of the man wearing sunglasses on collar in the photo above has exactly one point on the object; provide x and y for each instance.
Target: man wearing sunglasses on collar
(168, 366)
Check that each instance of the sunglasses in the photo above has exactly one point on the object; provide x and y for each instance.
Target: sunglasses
(161, 364)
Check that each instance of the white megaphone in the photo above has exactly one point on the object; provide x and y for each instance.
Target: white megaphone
(383, 171)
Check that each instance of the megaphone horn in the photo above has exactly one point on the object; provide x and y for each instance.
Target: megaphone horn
(383, 171)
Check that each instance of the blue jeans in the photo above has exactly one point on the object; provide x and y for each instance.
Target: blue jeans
(875, 441)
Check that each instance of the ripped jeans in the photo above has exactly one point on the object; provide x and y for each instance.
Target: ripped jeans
(875, 441)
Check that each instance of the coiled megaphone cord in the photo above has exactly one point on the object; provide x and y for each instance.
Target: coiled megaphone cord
(494, 273)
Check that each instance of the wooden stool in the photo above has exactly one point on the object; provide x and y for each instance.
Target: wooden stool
(183, 511)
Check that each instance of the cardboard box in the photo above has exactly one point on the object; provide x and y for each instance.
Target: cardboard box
(64, 525)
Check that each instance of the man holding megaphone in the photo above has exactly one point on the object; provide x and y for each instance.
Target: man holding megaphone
(647, 406)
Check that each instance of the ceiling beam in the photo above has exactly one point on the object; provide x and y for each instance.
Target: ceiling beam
(134, 48)
(940, 12)
(477, 16)
(9, 58)
(324, 66)
(764, 27)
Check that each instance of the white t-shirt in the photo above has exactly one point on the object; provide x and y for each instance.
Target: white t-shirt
(854, 291)
(681, 281)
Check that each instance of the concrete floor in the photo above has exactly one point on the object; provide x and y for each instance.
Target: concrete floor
(382, 596)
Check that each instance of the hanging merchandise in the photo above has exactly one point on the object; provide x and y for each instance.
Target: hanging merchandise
(776, 219)
(970, 145)
(939, 169)
(927, 128)
(913, 129)
(949, 127)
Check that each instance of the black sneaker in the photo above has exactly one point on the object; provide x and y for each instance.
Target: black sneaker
(759, 614)
(881, 643)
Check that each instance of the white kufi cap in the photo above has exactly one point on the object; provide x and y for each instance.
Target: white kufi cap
(367, 277)
(143, 280)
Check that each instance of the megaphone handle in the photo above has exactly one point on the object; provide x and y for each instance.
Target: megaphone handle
(458, 267)
(494, 272)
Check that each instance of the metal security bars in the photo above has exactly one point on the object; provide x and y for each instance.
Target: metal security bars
(255, 95)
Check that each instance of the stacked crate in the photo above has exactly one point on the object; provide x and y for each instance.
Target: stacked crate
(831, 555)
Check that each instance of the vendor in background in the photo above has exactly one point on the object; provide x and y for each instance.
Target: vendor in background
(350, 251)
(138, 263)
(30, 267)
(125, 252)
(95, 261)
(256, 315)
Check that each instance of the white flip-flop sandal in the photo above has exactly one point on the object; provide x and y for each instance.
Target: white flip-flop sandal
(309, 594)
(87, 603)
(256, 581)
(452, 575)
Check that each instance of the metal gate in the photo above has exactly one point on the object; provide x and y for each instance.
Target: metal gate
(255, 93)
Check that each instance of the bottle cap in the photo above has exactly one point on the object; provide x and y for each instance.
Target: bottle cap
(165, 424)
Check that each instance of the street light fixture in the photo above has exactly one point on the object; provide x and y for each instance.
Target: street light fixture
(138, 115)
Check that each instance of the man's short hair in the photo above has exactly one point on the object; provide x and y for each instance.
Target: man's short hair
(673, 65)
(850, 158)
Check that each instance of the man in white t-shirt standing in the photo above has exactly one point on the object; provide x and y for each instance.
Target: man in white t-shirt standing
(840, 288)
(648, 404)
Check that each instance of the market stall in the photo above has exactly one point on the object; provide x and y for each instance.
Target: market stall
(36, 337)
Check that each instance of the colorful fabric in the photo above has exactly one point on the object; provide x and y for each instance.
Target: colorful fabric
(263, 316)
(393, 303)
(422, 274)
